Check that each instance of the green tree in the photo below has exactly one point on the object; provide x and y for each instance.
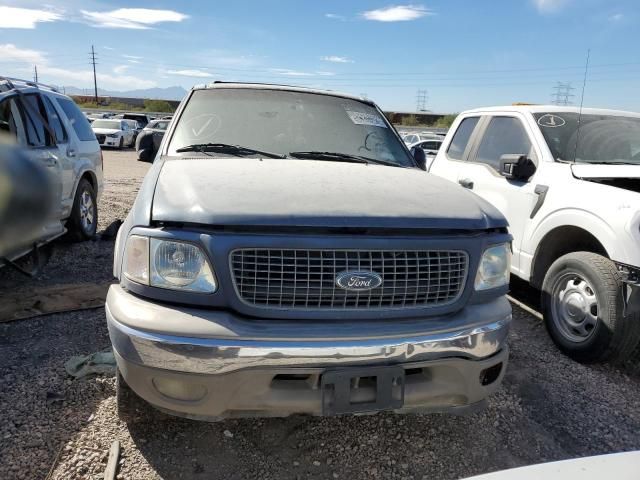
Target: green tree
(158, 106)
(446, 121)
(409, 121)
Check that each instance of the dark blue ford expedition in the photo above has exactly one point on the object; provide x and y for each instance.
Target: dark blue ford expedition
(287, 255)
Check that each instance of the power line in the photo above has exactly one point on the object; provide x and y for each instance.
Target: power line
(422, 97)
(562, 95)
(95, 79)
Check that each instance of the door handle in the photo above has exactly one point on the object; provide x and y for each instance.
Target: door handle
(466, 183)
(71, 153)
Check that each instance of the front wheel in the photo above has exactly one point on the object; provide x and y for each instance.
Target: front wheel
(584, 309)
(84, 213)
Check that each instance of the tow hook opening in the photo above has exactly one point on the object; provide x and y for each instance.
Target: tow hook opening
(490, 375)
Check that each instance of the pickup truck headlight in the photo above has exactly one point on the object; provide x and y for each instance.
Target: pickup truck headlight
(168, 264)
(494, 267)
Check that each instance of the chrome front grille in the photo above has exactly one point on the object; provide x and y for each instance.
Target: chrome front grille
(306, 279)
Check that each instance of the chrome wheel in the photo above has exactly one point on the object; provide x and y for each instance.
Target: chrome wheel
(87, 212)
(574, 307)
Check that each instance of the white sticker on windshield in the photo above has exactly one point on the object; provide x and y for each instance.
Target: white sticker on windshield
(362, 118)
(550, 120)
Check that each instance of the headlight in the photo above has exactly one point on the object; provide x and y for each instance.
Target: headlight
(168, 264)
(494, 267)
(113, 135)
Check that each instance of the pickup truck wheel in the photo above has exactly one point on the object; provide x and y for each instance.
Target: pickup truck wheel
(583, 309)
(83, 222)
(130, 407)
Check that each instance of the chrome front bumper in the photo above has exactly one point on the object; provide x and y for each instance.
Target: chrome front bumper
(269, 348)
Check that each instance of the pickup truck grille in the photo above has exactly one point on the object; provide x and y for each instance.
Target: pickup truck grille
(306, 279)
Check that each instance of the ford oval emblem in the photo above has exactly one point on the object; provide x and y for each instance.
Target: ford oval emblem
(358, 281)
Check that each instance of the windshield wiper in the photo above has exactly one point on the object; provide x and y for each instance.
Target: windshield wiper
(340, 157)
(237, 150)
(615, 162)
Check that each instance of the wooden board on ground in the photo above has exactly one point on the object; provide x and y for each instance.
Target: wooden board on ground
(55, 299)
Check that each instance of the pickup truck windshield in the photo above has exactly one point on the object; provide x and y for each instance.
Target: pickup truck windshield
(284, 121)
(612, 139)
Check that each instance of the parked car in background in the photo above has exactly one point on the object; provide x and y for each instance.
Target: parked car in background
(51, 130)
(413, 138)
(141, 118)
(246, 285)
(113, 133)
(568, 181)
(150, 138)
(135, 127)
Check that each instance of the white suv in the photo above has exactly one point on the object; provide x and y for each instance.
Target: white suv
(569, 184)
(51, 130)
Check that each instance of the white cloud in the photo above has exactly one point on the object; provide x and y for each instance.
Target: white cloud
(108, 48)
(397, 13)
(549, 6)
(336, 59)
(85, 77)
(616, 17)
(297, 73)
(132, 18)
(335, 16)
(190, 73)
(120, 69)
(13, 17)
(132, 57)
(9, 52)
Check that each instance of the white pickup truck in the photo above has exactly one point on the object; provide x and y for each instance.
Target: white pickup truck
(568, 182)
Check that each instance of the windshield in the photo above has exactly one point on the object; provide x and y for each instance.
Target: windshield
(113, 124)
(283, 122)
(601, 139)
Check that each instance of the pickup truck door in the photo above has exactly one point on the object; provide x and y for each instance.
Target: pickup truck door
(496, 136)
(448, 163)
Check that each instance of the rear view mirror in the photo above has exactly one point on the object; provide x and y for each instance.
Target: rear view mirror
(516, 167)
(420, 157)
(145, 155)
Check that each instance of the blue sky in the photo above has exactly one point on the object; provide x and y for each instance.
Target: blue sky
(464, 53)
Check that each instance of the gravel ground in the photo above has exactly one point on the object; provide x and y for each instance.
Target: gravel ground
(549, 407)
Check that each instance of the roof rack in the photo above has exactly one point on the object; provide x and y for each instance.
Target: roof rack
(10, 81)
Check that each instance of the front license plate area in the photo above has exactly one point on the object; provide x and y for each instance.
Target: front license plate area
(360, 390)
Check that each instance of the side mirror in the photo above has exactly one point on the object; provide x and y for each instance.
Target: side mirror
(420, 157)
(145, 155)
(516, 167)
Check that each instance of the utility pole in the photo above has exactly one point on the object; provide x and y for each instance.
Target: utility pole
(422, 97)
(35, 73)
(562, 94)
(95, 81)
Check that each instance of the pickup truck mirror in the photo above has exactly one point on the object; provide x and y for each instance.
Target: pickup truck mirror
(516, 167)
(420, 157)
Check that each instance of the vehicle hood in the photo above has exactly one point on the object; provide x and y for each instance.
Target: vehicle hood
(605, 171)
(105, 131)
(308, 193)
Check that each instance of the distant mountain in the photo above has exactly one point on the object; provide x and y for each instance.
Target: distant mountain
(168, 93)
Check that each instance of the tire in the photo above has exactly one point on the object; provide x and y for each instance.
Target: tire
(583, 309)
(130, 407)
(83, 222)
(121, 144)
